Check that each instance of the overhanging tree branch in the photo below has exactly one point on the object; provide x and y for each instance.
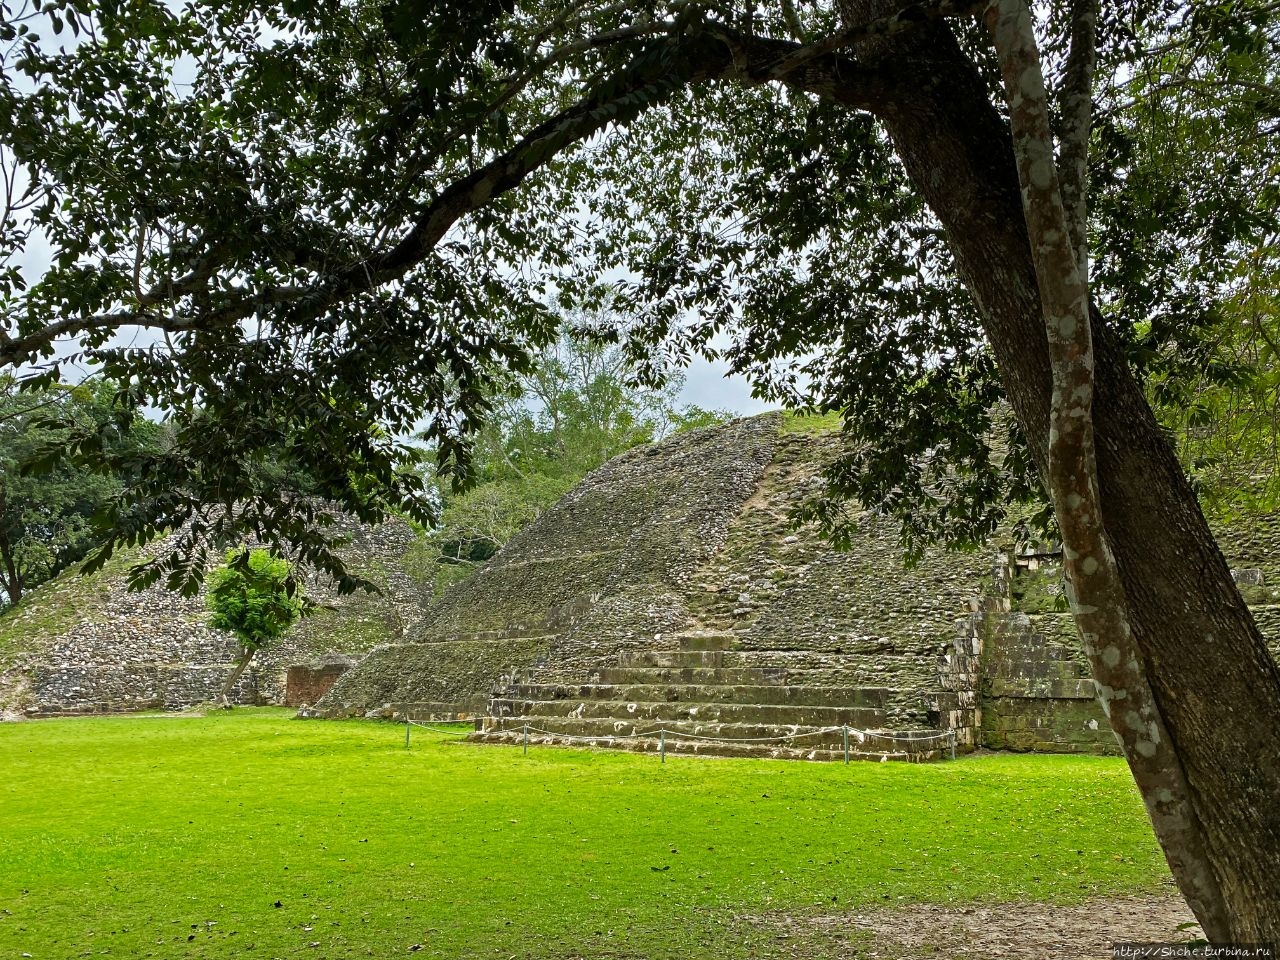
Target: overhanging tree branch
(656, 72)
(907, 18)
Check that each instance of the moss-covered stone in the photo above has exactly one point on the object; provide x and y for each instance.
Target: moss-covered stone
(429, 680)
(1047, 725)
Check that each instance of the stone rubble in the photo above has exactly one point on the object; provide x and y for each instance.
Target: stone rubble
(154, 649)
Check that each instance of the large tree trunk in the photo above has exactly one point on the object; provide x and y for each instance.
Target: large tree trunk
(1098, 602)
(1215, 684)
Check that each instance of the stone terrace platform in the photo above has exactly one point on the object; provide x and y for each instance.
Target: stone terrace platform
(688, 701)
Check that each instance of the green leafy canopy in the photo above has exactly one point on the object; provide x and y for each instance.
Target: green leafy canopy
(48, 507)
(254, 595)
(340, 224)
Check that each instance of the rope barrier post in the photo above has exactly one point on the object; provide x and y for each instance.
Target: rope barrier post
(408, 725)
(526, 739)
(845, 729)
(662, 745)
(953, 743)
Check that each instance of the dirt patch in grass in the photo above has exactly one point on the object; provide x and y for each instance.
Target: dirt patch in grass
(1007, 931)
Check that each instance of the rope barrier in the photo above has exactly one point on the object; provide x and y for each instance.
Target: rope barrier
(438, 729)
(447, 731)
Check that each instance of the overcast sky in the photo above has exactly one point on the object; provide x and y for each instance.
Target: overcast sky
(710, 385)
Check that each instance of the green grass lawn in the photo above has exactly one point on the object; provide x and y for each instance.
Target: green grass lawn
(250, 834)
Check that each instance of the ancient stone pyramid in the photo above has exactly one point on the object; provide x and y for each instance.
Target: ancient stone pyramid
(89, 645)
(670, 591)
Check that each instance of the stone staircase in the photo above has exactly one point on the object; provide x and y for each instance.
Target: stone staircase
(783, 646)
(704, 695)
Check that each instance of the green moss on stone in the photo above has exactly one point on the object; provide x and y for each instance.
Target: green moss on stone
(349, 631)
(1039, 591)
(793, 422)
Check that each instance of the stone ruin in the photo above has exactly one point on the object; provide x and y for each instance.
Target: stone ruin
(670, 589)
(88, 645)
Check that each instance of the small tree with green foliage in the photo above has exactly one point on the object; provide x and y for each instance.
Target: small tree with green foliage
(256, 596)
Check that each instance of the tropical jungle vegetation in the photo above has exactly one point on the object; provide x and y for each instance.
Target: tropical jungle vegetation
(47, 505)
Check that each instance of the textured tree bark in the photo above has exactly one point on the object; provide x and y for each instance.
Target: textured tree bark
(224, 698)
(1211, 676)
(1096, 593)
(13, 579)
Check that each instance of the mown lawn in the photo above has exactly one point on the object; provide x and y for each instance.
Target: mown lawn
(251, 834)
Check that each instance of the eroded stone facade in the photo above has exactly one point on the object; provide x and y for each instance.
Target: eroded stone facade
(672, 589)
(89, 645)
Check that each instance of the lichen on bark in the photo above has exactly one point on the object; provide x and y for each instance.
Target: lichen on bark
(1095, 590)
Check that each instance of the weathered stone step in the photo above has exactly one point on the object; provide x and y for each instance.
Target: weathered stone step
(809, 658)
(810, 667)
(866, 697)
(852, 676)
(1043, 689)
(759, 751)
(732, 740)
(705, 640)
(841, 644)
(672, 658)
(704, 675)
(751, 713)
(422, 710)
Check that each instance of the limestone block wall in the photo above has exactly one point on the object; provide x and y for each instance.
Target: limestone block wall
(87, 645)
(1037, 692)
